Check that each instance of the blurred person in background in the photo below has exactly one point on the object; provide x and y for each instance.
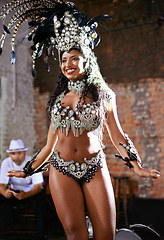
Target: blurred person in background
(14, 191)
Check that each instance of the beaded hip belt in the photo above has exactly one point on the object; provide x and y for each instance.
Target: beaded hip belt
(81, 172)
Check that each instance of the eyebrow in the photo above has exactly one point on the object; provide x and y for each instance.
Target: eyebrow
(71, 56)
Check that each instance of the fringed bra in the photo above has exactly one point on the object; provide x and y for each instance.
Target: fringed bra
(84, 118)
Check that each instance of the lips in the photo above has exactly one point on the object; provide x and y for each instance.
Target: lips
(70, 70)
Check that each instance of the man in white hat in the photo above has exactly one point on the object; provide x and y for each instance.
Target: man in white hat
(13, 189)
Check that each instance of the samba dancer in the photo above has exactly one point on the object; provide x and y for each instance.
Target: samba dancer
(79, 108)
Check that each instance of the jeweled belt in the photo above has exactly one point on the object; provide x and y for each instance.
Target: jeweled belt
(79, 171)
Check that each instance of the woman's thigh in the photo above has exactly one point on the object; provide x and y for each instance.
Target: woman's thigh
(69, 202)
(100, 203)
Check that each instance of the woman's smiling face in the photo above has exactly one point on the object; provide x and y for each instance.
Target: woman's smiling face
(72, 65)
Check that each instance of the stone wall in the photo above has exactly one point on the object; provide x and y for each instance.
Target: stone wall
(16, 96)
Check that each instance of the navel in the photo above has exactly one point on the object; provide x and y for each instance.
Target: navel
(75, 150)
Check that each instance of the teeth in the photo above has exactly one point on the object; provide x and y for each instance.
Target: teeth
(70, 70)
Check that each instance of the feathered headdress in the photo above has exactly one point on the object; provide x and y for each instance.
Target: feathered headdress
(52, 23)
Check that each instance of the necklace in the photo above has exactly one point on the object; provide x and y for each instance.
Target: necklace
(77, 87)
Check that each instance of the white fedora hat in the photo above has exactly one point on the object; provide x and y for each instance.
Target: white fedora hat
(16, 146)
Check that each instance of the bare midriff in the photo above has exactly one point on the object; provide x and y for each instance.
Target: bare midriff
(77, 148)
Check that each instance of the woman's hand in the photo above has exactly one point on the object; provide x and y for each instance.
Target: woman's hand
(16, 173)
(147, 173)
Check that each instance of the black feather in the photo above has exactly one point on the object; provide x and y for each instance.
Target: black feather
(12, 57)
(99, 39)
(40, 51)
(0, 51)
(22, 39)
(92, 44)
(34, 72)
(6, 29)
(30, 37)
(47, 67)
(98, 19)
(33, 47)
(34, 23)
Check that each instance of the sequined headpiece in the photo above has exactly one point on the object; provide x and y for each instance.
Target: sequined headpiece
(72, 35)
(53, 23)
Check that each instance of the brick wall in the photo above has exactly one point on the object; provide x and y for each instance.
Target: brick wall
(131, 58)
(140, 110)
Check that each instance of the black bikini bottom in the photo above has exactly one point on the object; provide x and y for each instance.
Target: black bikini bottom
(81, 172)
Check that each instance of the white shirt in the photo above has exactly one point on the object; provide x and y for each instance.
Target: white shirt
(25, 184)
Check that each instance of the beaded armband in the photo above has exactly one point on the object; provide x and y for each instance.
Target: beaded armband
(43, 167)
(28, 170)
(132, 153)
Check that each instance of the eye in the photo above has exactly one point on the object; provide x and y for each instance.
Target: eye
(75, 59)
(63, 60)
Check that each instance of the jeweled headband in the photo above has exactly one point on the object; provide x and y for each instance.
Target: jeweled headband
(52, 23)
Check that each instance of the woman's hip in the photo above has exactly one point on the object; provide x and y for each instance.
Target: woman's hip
(80, 171)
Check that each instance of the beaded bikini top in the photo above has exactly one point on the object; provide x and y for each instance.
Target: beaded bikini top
(86, 117)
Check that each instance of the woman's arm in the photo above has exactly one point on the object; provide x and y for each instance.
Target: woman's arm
(43, 155)
(117, 136)
(47, 149)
